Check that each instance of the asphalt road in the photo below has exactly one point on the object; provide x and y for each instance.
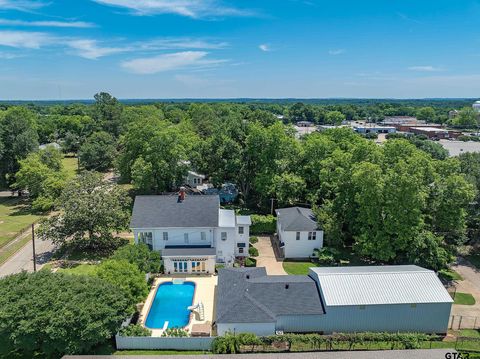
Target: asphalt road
(23, 259)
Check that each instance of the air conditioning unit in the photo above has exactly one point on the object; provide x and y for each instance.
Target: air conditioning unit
(278, 332)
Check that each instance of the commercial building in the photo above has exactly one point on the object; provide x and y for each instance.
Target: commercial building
(364, 129)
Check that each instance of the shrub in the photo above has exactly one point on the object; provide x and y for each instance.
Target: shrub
(135, 330)
(175, 332)
(252, 251)
(250, 262)
(146, 260)
(253, 240)
(327, 256)
(126, 276)
(49, 315)
(263, 224)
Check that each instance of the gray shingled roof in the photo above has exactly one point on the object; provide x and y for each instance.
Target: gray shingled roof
(248, 295)
(297, 219)
(164, 211)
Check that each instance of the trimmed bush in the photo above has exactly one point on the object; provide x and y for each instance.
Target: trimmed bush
(250, 262)
(263, 224)
(253, 252)
(135, 330)
(175, 333)
(253, 240)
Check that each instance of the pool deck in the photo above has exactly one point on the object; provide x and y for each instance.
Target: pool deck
(204, 292)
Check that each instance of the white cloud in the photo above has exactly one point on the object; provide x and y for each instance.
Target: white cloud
(428, 68)
(189, 8)
(24, 39)
(75, 24)
(335, 52)
(169, 62)
(8, 56)
(90, 49)
(181, 43)
(265, 47)
(21, 5)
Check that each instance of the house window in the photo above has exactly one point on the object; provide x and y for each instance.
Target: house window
(203, 236)
(240, 250)
(146, 238)
(312, 236)
(185, 237)
(298, 236)
(165, 236)
(240, 230)
(241, 245)
(223, 236)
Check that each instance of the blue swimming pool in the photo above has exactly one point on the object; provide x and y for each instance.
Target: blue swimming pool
(170, 305)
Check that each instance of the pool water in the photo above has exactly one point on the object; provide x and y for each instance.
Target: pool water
(170, 304)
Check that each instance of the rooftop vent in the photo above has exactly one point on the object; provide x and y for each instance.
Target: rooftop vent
(287, 285)
(248, 276)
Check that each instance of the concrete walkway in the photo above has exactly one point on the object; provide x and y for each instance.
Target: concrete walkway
(266, 257)
(469, 284)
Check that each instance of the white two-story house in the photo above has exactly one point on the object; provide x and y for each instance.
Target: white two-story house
(298, 232)
(191, 232)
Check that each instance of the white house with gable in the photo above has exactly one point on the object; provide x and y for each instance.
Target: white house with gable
(298, 232)
(192, 232)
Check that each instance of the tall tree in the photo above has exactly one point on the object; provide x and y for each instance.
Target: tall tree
(90, 209)
(98, 152)
(107, 110)
(19, 138)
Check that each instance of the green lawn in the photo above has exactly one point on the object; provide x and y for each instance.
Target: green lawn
(449, 274)
(15, 215)
(464, 299)
(70, 165)
(297, 268)
(82, 269)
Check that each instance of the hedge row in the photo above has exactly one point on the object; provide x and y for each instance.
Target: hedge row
(263, 224)
(231, 344)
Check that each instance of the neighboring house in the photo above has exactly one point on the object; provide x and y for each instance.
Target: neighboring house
(54, 145)
(192, 232)
(248, 300)
(298, 232)
(332, 299)
(194, 179)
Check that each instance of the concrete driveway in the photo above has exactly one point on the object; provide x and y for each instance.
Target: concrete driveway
(469, 284)
(266, 257)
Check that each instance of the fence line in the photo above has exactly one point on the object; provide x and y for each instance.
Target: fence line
(165, 343)
(458, 322)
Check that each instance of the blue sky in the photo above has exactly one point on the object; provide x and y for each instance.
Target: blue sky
(71, 49)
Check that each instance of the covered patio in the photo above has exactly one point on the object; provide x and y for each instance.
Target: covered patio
(189, 260)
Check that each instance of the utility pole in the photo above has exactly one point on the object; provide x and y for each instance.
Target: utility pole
(271, 206)
(33, 247)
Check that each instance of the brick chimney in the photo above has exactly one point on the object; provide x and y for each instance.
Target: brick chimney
(181, 195)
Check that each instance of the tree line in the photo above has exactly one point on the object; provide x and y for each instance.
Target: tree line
(404, 201)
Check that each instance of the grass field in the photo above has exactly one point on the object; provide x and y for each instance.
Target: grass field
(15, 215)
(464, 299)
(70, 165)
(82, 269)
(297, 268)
